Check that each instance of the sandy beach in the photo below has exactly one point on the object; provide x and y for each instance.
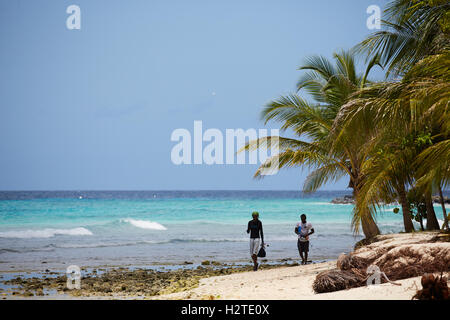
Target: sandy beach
(290, 283)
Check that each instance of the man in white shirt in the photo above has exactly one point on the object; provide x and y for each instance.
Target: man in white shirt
(303, 229)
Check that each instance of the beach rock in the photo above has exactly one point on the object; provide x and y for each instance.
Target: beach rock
(76, 293)
(437, 199)
(347, 199)
(106, 288)
(123, 282)
(397, 256)
(39, 292)
(206, 263)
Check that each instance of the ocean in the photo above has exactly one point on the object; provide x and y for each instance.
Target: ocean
(51, 230)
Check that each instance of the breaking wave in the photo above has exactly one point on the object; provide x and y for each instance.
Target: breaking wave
(45, 233)
(143, 224)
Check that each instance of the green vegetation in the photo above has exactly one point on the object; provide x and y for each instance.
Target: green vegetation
(391, 138)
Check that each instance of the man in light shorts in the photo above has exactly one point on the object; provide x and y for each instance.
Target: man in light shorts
(256, 237)
(303, 229)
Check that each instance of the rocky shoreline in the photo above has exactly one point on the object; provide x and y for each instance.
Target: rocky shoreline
(123, 283)
(398, 256)
(348, 199)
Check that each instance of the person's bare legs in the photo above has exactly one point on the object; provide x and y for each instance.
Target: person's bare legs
(255, 262)
(303, 259)
(300, 252)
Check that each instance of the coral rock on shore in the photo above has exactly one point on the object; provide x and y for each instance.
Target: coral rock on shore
(125, 283)
(398, 256)
(344, 200)
(347, 199)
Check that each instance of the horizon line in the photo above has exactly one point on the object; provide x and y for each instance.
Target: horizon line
(160, 190)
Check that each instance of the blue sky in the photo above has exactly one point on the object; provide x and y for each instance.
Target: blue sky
(94, 108)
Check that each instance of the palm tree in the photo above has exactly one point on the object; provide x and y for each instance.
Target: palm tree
(412, 118)
(438, 175)
(312, 122)
(412, 31)
(414, 43)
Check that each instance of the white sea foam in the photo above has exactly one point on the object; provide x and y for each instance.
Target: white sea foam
(143, 224)
(45, 233)
(320, 203)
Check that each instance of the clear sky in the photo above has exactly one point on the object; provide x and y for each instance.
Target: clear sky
(94, 108)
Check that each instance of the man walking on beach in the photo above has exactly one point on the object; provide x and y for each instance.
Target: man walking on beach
(255, 229)
(303, 229)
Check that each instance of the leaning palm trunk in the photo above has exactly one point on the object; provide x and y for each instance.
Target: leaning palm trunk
(368, 224)
(432, 222)
(444, 211)
(369, 227)
(409, 227)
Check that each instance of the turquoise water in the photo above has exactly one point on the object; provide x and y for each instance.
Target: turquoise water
(38, 230)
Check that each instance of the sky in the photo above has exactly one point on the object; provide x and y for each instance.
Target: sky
(94, 108)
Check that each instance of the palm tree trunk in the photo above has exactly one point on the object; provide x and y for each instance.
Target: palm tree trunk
(421, 223)
(369, 227)
(441, 198)
(407, 222)
(432, 222)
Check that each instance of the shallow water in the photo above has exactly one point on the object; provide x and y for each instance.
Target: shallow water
(52, 230)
